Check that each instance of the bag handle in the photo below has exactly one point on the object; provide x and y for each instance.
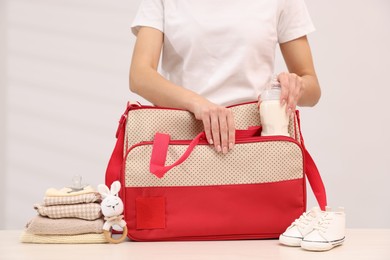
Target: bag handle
(161, 143)
(159, 153)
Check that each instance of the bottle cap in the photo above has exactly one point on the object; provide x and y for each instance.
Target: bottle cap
(273, 91)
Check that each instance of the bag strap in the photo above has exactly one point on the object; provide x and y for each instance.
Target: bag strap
(114, 167)
(314, 178)
(312, 173)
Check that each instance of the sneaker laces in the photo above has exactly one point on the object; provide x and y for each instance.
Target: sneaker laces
(323, 223)
(304, 219)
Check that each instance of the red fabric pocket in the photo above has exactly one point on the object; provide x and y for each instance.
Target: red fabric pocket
(150, 212)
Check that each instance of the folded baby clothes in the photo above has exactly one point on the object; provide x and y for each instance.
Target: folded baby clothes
(64, 192)
(63, 239)
(63, 226)
(88, 211)
(74, 199)
(67, 215)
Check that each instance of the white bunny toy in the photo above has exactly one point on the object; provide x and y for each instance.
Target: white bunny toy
(112, 208)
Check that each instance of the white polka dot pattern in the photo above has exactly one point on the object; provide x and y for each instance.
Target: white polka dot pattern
(248, 163)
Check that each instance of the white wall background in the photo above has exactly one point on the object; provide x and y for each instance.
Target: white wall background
(3, 89)
(64, 84)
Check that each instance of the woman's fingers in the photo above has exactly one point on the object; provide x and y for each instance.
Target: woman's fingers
(207, 128)
(223, 130)
(291, 85)
(219, 126)
(231, 130)
(215, 130)
(284, 84)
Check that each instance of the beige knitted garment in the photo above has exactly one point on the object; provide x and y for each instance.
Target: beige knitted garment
(75, 199)
(63, 239)
(63, 226)
(88, 211)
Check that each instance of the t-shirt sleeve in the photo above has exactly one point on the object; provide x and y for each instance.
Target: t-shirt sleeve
(294, 21)
(150, 14)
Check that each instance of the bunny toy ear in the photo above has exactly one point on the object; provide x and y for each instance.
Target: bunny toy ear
(115, 187)
(103, 190)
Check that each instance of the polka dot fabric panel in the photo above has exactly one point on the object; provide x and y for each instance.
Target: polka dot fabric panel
(248, 163)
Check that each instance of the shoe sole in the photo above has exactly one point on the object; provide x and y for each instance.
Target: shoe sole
(290, 241)
(321, 246)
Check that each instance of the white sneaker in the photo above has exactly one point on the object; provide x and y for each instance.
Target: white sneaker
(327, 233)
(301, 227)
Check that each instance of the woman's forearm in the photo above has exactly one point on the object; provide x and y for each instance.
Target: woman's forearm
(149, 84)
(299, 61)
(311, 91)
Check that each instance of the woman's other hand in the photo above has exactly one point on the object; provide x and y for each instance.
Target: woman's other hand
(291, 85)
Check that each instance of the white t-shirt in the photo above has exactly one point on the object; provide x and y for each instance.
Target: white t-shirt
(223, 50)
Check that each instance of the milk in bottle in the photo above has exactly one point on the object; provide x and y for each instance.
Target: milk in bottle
(273, 115)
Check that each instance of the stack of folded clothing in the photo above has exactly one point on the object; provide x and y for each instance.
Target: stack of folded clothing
(67, 216)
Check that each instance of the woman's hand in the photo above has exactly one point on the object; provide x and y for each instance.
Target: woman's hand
(292, 89)
(218, 124)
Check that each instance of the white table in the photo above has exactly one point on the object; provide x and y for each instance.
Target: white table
(367, 244)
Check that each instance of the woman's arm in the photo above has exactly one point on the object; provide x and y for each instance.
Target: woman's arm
(147, 82)
(144, 78)
(300, 86)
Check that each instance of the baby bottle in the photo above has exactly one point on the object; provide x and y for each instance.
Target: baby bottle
(273, 116)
